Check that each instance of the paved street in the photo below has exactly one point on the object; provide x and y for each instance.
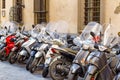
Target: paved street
(17, 72)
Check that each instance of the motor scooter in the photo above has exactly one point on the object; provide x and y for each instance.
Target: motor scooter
(24, 53)
(59, 49)
(23, 37)
(10, 43)
(104, 62)
(86, 42)
(35, 49)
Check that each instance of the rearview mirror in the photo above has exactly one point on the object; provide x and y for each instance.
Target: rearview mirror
(92, 34)
(33, 26)
(23, 28)
(5, 27)
(20, 28)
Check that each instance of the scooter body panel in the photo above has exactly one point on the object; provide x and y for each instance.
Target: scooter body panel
(27, 45)
(23, 52)
(32, 53)
(99, 60)
(74, 68)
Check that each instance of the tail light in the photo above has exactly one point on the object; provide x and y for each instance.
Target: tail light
(53, 50)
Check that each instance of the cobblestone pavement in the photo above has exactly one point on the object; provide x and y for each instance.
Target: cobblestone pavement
(18, 72)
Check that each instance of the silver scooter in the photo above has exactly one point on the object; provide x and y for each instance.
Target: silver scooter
(86, 42)
(24, 53)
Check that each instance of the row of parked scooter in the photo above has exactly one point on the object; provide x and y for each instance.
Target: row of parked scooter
(92, 55)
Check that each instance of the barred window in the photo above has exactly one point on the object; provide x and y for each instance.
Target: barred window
(3, 4)
(40, 10)
(92, 11)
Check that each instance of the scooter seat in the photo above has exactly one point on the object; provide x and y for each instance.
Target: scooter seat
(71, 51)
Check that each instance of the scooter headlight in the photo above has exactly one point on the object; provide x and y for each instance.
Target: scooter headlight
(85, 46)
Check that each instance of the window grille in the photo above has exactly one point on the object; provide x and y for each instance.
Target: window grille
(92, 11)
(40, 10)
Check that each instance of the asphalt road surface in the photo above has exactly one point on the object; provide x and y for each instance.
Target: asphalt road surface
(18, 72)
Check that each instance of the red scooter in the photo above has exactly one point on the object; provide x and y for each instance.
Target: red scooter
(10, 43)
(17, 47)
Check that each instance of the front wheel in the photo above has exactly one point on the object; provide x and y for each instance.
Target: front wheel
(12, 57)
(35, 63)
(45, 72)
(58, 71)
(3, 56)
(28, 65)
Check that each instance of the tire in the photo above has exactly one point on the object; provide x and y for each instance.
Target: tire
(12, 57)
(56, 76)
(2, 55)
(45, 72)
(28, 65)
(35, 63)
(72, 76)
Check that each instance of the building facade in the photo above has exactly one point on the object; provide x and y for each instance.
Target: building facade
(75, 12)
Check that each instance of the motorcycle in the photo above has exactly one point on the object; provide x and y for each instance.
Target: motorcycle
(23, 37)
(57, 51)
(105, 60)
(86, 42)
(7, 28)
(10, 42)
(44, 43)
(24, 53)
(35, 49)
(62, 60)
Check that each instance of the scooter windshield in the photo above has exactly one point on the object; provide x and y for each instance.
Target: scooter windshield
(55, 29)
(94, 27)
(11, 26)
(35, 31)
(110, 36)
(3, 32)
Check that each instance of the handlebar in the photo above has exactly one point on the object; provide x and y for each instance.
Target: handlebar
(99, 47)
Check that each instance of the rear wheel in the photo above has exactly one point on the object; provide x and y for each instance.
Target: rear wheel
(12, 57)
(58, 71)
